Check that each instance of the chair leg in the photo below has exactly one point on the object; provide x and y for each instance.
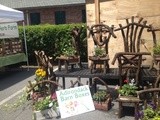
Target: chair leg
(72, 66)
(120, 110)
(136, 111)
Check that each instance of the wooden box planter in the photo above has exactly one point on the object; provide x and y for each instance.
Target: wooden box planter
(102, 97)
(103, 105)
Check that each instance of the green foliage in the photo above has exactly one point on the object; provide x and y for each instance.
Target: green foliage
(70, 51)
(53, 39)
(21, 100)
(99, 51)
(42, 104)
(100, 96)
(156, 50)
(128, 89)
(150, 113)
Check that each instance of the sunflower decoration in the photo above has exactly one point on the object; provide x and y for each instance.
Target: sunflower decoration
(40, 74)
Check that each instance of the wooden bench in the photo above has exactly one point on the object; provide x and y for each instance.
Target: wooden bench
(111, 77)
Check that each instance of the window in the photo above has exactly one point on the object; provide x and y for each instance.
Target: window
(84, 16)
(60, 17)
(35, 18)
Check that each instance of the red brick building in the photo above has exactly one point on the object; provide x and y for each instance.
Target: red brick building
(49, 11)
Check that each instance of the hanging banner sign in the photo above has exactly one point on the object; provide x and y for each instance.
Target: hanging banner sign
(75, 101)
(9, 30)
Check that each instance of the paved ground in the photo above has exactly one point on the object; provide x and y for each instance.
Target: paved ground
(14, 81)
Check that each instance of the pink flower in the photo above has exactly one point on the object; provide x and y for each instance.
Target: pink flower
(54, 96)
(126, 81)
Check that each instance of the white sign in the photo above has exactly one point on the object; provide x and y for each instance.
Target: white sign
(9, 30)
(75, 101)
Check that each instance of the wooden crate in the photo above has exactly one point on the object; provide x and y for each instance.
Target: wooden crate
(16, 46)
(10, 46)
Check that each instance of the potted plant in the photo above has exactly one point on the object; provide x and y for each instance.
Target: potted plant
(46, 108)
(128, 89)
(44, 101)
(69, 52)
(150, 113)
(99, 52)
(102, 100)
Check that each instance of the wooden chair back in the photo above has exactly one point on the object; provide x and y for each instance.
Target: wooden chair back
(132, 40)
(45, 62)
(45, 88)
(129, 63)
(132, 34)
(101, 35)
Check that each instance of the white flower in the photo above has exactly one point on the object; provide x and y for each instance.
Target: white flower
(132, 82)
(50, 104)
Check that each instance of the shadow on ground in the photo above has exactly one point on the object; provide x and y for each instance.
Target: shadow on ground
(10, 77)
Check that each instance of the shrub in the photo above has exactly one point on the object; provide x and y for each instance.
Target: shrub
(52, 39)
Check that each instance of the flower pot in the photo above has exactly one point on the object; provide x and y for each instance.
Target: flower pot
(103, 105)
(45, 114)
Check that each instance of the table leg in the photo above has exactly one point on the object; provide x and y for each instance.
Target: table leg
(66, 65)
(105, 67)
(91, 68)
(158, 68)
(90, 81)
(59, 65)
(63, 82)
(79, 79)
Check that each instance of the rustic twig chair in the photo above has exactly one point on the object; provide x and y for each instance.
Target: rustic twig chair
(101, 35)
(73, 60)
(45, 62)
(132, 33)
(130, 61)
(149, 97)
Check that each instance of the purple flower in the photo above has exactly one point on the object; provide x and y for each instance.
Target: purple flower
(139, 114)
(152, 105)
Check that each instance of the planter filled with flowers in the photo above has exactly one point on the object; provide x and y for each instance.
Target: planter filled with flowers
(46, 108)
(102, 97)
(150, 113)
(128, 89)
(102, 100)
(42, 93)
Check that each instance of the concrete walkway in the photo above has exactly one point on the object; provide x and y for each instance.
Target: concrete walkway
(12, 83)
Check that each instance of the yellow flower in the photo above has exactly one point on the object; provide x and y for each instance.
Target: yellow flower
(40, 72)
(43, 73)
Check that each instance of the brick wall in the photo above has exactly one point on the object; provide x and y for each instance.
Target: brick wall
(73, 14)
